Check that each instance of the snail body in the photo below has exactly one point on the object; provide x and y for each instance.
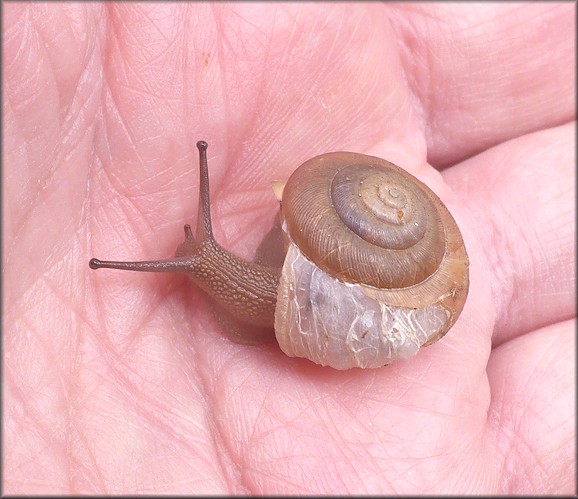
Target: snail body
(375, 266)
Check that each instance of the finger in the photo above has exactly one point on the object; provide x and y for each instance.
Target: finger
(532, 413)
(521, 196)
(487, 73)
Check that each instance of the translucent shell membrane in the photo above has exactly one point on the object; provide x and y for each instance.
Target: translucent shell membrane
(337, 324)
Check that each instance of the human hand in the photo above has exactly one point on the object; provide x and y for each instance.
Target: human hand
(119, 383)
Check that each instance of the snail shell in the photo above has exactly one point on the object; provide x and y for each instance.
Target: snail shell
(375, 268)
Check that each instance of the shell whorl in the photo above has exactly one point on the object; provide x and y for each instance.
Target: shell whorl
(364, 220)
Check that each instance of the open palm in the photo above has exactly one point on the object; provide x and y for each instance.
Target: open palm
(121, 382)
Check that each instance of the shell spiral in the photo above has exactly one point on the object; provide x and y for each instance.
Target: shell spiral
(364, 222)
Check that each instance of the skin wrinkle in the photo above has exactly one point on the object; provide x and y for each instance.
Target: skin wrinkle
(226, 460)
(138, 396)
(122, 122)
(23, 219)
(540, 247)
(498, 253)
(245, 461)
(353, 444)
(406, 31)
(520, 454)
(150, 414)
(506, 295)
(267, 104)
(67, 99)
(252, 438)
(509, 429)
(85, 468)
(341, 445)
(46, 431)
(513, 455)
(134, 142)
(222, 74)
(330, 470)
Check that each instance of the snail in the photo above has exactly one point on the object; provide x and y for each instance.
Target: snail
(363, 266)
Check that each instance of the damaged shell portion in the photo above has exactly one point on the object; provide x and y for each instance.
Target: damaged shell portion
(338, 324)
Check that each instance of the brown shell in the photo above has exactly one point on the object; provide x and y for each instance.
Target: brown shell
(364, 220)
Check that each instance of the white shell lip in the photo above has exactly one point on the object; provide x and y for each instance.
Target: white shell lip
(337, 324)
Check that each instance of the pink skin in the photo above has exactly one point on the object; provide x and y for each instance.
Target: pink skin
(121, 383)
